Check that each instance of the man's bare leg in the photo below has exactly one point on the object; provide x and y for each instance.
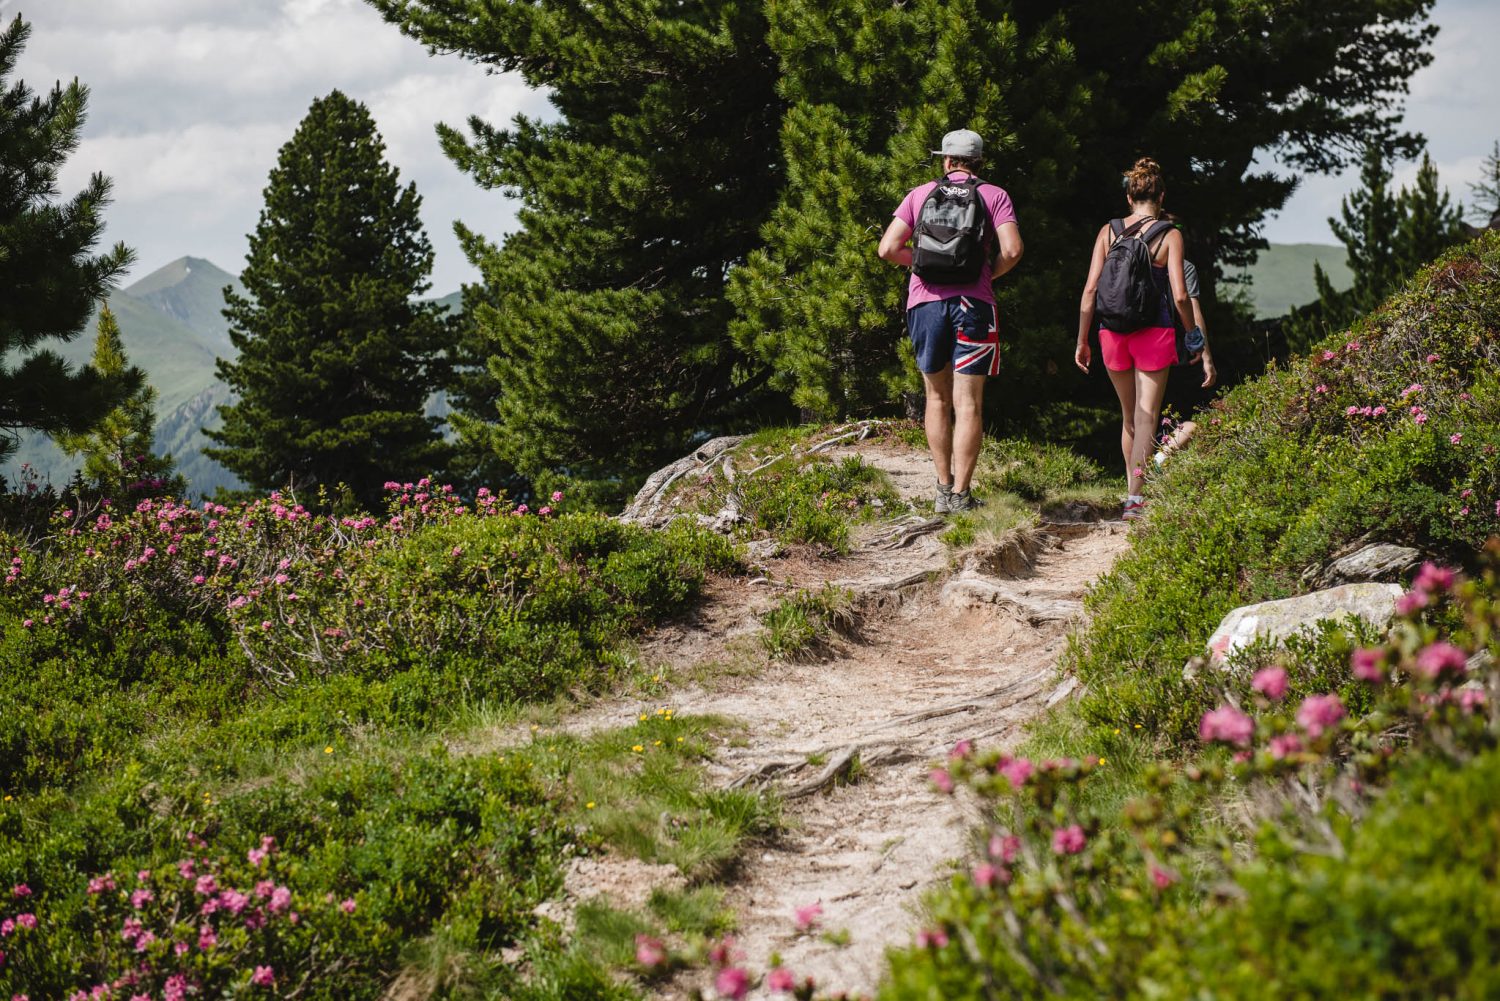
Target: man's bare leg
(939, 421)
(968, 430)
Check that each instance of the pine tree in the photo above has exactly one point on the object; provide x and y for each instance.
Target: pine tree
(604, 335)
(337, 358)
(1428, 225)
(1486, 190)
(118, 457)
(1386, 239)
(49, 276)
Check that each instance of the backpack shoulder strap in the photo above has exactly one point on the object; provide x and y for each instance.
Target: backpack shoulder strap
(1159, 228)
(1117, 227)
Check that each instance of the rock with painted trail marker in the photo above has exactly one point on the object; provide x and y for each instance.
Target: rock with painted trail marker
(1281, 620)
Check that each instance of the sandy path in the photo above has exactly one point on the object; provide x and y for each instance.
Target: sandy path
(940, 654)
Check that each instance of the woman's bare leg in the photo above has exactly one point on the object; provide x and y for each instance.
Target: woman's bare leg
(1150, 390)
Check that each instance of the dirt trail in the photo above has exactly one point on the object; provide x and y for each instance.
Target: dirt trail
(940, 654)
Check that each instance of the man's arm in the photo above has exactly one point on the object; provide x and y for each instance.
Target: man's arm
(1010, 251)
(893, 246)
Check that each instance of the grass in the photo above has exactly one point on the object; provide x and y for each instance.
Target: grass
(803, 622)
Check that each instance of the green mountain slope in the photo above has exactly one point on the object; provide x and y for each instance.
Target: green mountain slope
(173, 327)
(1283, 276)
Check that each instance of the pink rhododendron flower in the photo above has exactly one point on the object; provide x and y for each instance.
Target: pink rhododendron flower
(1368, 664)
(1017, 771)
(263, 888)
(1068, 840)
(255, 856)
(1471, 700)
(1161, 877)
(102, 884)
(932, 938)
(1412, 601)
(1432, 358)
(986, 875)
(207, 937)
(175, 988)
(347, 906)
(233, 901)
(1351, 411)
(140, 898)
(1320, 388)
(940, 778)
(649, 952)
(1455, 438)
(1319, 712)
(20, 890)
(1270, 682)
(1285, 743)
(781, 980)
(281, 899)
(263, 976)
(1440, 659)
(1434, 578)
(557, 496)
(1379, 411)
(807, 915)
(1228, 725)
(732, 982)
(1005, 848)
(1329, 355)
(206, 886)
(961, 750)
(1420, 418)
(7, 926)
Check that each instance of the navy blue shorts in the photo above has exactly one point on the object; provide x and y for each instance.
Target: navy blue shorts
(963, 332)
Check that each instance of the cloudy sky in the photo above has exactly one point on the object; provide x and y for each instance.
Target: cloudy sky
(193, 98)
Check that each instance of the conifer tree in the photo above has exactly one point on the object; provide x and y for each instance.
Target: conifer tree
(49, 277)
(1386, 238)
(118, 456)
(1486, 190)
(603, 338)
(1428, 225)
(337, 358)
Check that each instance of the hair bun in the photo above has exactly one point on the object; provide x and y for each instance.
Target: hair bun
(1144, 182)
(1145, 167)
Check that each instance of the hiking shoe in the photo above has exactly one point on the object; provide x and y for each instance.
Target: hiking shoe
(943, 502)
(1134, 510)
(963, 501)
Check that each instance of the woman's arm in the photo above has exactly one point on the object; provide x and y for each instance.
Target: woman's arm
(1210, 373)
(1082, 355)
(1184, 305)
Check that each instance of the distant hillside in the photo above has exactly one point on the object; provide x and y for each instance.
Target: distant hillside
(173, 327)
(1283, 276)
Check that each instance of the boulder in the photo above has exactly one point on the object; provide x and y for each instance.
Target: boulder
(1281, 620)
(1380, 561)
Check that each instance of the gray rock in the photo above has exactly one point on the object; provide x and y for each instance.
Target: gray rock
(1380, 561)
(1281, 620)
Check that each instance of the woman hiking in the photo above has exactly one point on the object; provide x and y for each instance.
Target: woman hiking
(1135, 286)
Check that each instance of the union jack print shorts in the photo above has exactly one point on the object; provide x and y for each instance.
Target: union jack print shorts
(963, 332)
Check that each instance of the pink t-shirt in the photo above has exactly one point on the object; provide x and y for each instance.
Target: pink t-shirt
(1001, 212)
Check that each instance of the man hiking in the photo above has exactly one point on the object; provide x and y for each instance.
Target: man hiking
(957, 234)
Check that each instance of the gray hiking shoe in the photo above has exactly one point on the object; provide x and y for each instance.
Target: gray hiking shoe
(962, 501)
(943, 502)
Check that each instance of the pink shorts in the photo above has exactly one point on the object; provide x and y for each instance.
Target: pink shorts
(1148, 349)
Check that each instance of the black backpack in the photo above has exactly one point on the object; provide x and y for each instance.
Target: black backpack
(1127, 298)
(952, 233)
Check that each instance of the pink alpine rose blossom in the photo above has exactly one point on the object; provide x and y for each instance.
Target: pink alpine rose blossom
(1284, 744)
(255, 856)
(808, 915)
(1004, 847)
(940, 778)
(1368, 664)
(932, 938)
(781, 980)
(732, 982)
(347, 906)
(1455, 438)
(263, 976)
(1440, 659)
(650, 952)
(961, 750)
(1017, 771)
(986, 875)
(1319, 712)
(1434, 578)
(1471, 700)
(20, 890)
(1068, 840)
(1161, 878)
(1270, 682)
(207, 937)
(1227, 725)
